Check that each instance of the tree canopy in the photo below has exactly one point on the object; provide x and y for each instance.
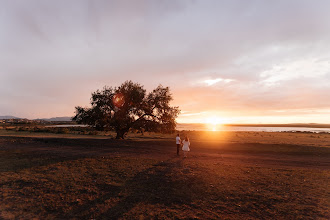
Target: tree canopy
(129, 107)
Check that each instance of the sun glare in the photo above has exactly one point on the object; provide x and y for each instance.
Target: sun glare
(213, 122)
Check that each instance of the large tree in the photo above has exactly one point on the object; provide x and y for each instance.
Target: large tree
(129, 107)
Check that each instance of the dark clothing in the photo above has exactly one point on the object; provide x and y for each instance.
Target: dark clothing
(178, 148)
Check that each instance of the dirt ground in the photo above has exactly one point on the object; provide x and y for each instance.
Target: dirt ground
(233, 175)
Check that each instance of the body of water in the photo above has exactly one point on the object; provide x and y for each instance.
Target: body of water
(65, 126)
(207, 127)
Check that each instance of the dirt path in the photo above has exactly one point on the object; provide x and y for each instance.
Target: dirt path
(256, 154)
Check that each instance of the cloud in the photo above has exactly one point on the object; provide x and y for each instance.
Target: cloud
(247, 57)
(307, 68)
(211, 82)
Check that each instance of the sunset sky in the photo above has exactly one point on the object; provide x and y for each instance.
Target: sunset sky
(231, 61)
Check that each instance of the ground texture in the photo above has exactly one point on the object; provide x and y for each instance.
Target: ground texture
(243, 176)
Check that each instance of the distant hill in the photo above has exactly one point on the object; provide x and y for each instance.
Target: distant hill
(55, 119)
(8, 117)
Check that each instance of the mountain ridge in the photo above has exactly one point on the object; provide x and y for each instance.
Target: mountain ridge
(8, 117)
(64, 118)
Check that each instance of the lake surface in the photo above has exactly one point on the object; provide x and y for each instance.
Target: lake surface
(205, 127)
(65, 126)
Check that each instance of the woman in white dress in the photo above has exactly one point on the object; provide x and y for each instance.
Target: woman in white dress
(185, 147)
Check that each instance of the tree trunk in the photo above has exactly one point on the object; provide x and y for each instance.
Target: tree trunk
(121, 134)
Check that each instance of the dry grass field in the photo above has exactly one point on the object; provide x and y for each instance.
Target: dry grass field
(227, 175)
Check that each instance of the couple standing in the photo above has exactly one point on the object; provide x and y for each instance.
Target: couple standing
(185, 145)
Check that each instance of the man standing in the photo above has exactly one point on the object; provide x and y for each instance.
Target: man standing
(178, 144)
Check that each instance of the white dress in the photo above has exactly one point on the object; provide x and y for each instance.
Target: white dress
(186, 145)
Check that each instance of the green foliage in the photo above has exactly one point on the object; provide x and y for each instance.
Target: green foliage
(129, 107)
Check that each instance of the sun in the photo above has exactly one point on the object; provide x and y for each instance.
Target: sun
(213, 122)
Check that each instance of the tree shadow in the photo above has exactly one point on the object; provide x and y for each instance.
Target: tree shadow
(166, 183)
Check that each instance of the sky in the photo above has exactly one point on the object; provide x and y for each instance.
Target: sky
(230, 61)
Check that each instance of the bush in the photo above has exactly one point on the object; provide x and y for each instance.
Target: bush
(92, 133)
(20, 129)
(62, 131)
